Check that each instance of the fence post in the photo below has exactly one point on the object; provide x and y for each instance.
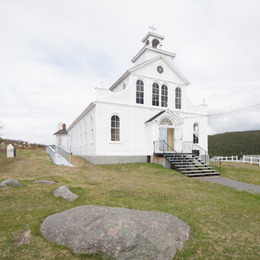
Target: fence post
(243, 159)
(251, 159)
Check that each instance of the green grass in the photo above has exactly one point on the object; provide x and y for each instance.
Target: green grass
(241, 172)
(225, 223)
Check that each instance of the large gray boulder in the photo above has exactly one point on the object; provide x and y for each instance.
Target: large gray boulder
(117, 232)
(64, 192)
(10, 182)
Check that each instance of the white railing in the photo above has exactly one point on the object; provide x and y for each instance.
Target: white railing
(58, 155)
(63, 152)
(252, 159)
(50, 150)
(231, 158)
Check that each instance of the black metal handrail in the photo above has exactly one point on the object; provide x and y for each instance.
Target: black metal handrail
(210, 156)
(170, 150)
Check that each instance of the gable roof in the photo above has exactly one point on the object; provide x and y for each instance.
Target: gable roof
(152, 118)
(129, 71)
(61, 132)
(149, 48)
(152, 34)
(176, 118)
(90, 106)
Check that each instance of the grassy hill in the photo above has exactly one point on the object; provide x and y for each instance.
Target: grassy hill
(224, 222)
(235, 143)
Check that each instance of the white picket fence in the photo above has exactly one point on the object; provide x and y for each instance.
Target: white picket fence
(252, 159)
(226, 158)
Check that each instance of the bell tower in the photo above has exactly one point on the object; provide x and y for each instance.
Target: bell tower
(153, 39)
(152, 47)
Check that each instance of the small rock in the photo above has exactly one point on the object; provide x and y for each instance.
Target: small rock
(7, 188)
(25, 237)
(11, 182)
(64, 192)
(45, 182)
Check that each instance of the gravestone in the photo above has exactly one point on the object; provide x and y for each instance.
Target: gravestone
(10, 150)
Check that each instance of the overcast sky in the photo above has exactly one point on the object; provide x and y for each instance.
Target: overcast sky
(53, 53)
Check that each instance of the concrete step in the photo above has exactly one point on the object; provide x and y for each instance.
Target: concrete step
(197, 171)
(189, 165)
(195, 168)
(202, 174)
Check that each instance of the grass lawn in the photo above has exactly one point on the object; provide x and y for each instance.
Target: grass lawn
(225, 223)
(241, 172)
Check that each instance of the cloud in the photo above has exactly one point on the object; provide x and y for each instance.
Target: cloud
(54, 54)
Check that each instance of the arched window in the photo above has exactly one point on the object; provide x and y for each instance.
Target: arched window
(166, 121)
(178, 98)
(164, 96)
(139, 92)
(80, 135)
(155, 43)
(115, 128)
(155, 97)
(85, 128)
(92, 130)
(195, 133)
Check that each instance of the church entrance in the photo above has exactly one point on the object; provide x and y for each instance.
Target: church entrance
(166, 136)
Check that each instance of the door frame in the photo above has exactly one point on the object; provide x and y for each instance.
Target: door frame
(172, 128)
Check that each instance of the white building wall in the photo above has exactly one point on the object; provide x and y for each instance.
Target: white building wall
(90, 134)
(134, 134)
(61, 140)
(82, 136)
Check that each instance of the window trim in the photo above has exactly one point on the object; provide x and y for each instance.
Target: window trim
(116, 128)
(155, 96)
(178, 98)
(86, 132)
(196, 133)
(164, 96)
(92, 129)
(139, 93)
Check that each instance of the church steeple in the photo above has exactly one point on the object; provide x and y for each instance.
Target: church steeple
(152, 47)
(153, 39)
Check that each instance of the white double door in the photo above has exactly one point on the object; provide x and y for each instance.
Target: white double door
(166, 137)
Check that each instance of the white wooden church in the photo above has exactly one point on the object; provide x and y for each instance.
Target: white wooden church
(145, 111)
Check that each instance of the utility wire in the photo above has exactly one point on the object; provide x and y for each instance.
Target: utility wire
(224, 113)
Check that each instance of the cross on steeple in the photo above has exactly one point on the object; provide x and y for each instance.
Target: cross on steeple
(153, 28)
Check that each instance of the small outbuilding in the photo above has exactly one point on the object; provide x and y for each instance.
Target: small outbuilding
(62, 137)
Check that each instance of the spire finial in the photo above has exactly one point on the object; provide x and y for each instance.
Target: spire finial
(153, 28)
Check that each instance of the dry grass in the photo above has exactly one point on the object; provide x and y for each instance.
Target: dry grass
(242, 172)
(224, 222)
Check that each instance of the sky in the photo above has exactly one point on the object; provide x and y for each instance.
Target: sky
(53, 53)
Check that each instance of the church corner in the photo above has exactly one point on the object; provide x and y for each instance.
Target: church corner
(143, 115)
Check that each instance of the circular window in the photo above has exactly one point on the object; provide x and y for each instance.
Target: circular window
(160, 69)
